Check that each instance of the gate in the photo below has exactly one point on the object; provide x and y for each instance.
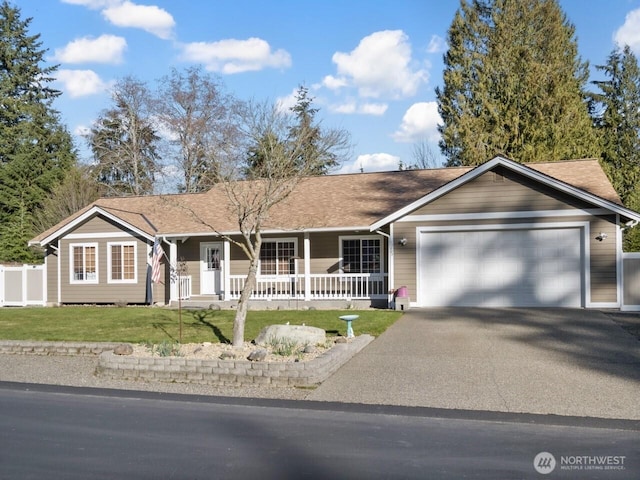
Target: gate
(22, 285)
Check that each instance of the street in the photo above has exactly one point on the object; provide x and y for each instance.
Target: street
(75, 433)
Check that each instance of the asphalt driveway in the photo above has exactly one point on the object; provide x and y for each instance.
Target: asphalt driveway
(549, 361)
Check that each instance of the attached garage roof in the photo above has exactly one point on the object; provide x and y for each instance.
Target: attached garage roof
(332, 202)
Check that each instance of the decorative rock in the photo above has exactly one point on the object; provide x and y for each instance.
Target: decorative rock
(258, 355)
(297, 333)
(124, 349)
(341, 340)
(227, 356)
(214, 306)
(309, 349)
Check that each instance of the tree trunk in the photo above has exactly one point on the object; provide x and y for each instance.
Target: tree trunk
(243, 304)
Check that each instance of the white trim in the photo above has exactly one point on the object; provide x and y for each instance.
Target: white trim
(173, 262)
(516, 167)
(307, 266)
(135, 261)
(454, 217)
(60, 275)
(280, 231)
(72, 280)
(95, 210)
(585, 274)
(341, 238)
(619, 264)
(226, 271)
(391, 254)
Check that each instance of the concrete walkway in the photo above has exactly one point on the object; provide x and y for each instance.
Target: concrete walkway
(547, 361)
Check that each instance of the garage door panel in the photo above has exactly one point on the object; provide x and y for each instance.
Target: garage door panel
(501, 268)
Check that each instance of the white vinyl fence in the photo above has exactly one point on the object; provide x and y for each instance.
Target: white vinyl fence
(22, 285)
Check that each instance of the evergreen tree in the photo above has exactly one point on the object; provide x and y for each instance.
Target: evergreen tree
(36, 149)
(124, 142)
(617, 117)
(318, 150)
(513, 85)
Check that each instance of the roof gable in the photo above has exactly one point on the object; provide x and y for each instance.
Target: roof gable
(536, 172)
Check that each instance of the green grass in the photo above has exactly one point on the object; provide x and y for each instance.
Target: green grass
(154, 325)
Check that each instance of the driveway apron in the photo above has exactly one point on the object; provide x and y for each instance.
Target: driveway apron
(547, 361)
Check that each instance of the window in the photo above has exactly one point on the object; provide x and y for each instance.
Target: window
(277, 257)
(361, 255)
(83, 263)
(122, 262)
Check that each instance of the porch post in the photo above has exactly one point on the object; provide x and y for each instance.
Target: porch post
(173, 263)
(391, 271)
(226, 270)
(307, 267)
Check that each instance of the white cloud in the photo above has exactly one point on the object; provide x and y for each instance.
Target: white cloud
(437, 44)
(333, 83)
(419, 122)
(236, 56)
(81, 83)
(373, 108)
(379, 66)
(93, 4)
(82, 130)
(150, 18)
(351, 107)
(372, 162)
(629, 32)
(104, 49)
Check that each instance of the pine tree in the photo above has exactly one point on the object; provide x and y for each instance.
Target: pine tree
(36, 149)
(617, 117)
(513, 85)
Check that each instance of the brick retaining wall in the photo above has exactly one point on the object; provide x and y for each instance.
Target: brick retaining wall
(28, 347)
(230, 372)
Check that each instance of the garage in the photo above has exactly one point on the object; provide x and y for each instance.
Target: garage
(500, 266)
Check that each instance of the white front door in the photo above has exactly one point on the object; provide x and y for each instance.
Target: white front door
(210, 268)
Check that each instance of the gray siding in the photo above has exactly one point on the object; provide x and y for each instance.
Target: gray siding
(502, 191)
(103, 291)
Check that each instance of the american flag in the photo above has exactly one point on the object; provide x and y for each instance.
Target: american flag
(158, 252)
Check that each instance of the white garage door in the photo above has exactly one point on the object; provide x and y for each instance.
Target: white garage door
(500, 268)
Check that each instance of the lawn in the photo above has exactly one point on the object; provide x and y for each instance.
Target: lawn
(148, 324)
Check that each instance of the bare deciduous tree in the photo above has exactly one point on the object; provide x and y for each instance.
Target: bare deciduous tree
(199, 120)
(124, 142)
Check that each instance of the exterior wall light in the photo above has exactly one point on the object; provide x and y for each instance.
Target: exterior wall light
(601, 236)
(402, 241)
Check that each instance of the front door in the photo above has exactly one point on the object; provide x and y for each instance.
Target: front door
(210, 268)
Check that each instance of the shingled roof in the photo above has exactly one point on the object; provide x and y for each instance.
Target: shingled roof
(349, 201)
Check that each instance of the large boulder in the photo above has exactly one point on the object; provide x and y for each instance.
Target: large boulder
(300, 334)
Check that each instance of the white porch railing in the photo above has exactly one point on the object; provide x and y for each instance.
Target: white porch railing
(184, 287)
(322, 286)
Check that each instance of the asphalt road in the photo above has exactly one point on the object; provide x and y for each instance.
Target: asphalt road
(79, 433)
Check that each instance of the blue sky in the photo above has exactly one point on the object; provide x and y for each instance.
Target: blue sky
(371, 65)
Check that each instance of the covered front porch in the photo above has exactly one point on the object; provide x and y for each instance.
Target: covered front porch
(327, 268)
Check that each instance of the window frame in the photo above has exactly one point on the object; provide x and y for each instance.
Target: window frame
(360, 238)
(84, 246)
(121, 244)
(293, 240)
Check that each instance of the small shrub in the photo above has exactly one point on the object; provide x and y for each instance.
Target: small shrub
(167, 349)
(283, 346)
